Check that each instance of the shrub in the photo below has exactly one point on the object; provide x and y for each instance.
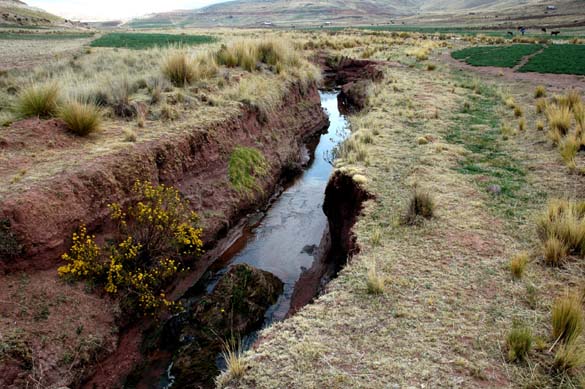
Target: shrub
(567, 319)
(81, 118)
(375, 282)
(153, 238)
(518, 264)
(245, 166)
(540, 91)
(178, 69)
(421, 206)
(519, 343)
(38, 100)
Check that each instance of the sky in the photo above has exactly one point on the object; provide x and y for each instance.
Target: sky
(95, 10)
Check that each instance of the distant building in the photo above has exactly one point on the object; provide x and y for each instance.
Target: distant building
(551, 7)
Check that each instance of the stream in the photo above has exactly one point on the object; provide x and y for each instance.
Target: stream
(282, 239)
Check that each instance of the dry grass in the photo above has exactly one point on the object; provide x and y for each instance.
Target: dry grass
(375, 281)
(563, 221)
(567, 319)
(539, 91)
(554, 251)
(559, 120)
(235, 364)
(541, 105)
(420, 207)
(518, 264)
(38, 100)
(178, 69)
(82, 119)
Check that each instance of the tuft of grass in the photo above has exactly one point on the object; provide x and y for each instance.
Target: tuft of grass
(521, 124)
(554, 251)
(518, 111)
(541, 105)
(38, 100)
(375, 281)
(519, 343)
(130, 135)
(421, 206)
(518, 264)
(569, 358)
(245, 166)
(568, 148)
(540, 125)
(567, 319)
(81, 118)
(178, 69)
(539, 92)
(431, 67)
(234, 361)
(562, 226)
(559, 119)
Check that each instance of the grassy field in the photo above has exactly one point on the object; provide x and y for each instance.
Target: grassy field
(559, 59)
(500, 56)
(144, 41)
(42, 37)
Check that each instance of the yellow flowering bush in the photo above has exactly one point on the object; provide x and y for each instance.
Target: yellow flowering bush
(155, 236)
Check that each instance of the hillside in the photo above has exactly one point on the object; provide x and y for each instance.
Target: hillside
(282, 13)
(19, 14)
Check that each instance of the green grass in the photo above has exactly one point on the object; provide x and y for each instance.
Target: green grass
(42, 37)
(558, 59)
(245, 166)
(500, 56)
(478, 130)
(145, 41)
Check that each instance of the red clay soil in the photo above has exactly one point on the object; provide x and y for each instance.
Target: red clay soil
(43, 218)
(554, 81)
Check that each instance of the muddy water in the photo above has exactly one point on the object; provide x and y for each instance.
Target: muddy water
(283, 239)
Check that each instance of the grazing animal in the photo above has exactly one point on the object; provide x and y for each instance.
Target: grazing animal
(543, 30)
(510, 33)
(555, 33)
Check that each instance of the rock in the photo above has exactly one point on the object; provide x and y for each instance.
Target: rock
(235, 308)
(309, 249)
(494, 189)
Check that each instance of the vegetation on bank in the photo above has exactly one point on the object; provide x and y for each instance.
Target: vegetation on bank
(155, 239)
(141, 41)
(42, 37)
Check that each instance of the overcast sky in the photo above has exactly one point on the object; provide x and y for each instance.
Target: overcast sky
(89, 10)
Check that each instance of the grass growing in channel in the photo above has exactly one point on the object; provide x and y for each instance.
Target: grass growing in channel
(478, 130)
(144, 41)
(245, 166)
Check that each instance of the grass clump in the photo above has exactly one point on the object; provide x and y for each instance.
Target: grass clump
(518, 111)
(518, 264)
(541, 105)
(519, 343)
(38, 100)
(178, 69)
(559, 119)
(249, 54)
(421, 206)
(562, 229)
(245, 166)
(234, 362)
(568, 149)
(539, 92)
(567, 319)
(81, 118)
(375, 281)
(569, 358)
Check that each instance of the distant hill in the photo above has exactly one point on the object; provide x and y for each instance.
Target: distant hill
(18, 14)
(286, 13)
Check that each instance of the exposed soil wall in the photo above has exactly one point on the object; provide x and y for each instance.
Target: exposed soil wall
(42, 219)
(344, 201)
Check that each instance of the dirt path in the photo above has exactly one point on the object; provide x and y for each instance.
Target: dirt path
(527, 58)
(554, 81)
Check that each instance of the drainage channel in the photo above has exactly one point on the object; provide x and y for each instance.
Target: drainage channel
(283, 239)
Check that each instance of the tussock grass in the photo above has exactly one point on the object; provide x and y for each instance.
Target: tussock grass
(82, 119)
(519, 342)
(38, 100)
(249, 54)
(518, 264)
(522, 124)
(178, 69)
(540, 125)
(540, 91)
(569, 358)
(235, 363)
(562, 229)
(518, 111)
(567, 319)
(559, 119)
(421, 206)
(568, 148)
(541, 105)
(375, 281)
